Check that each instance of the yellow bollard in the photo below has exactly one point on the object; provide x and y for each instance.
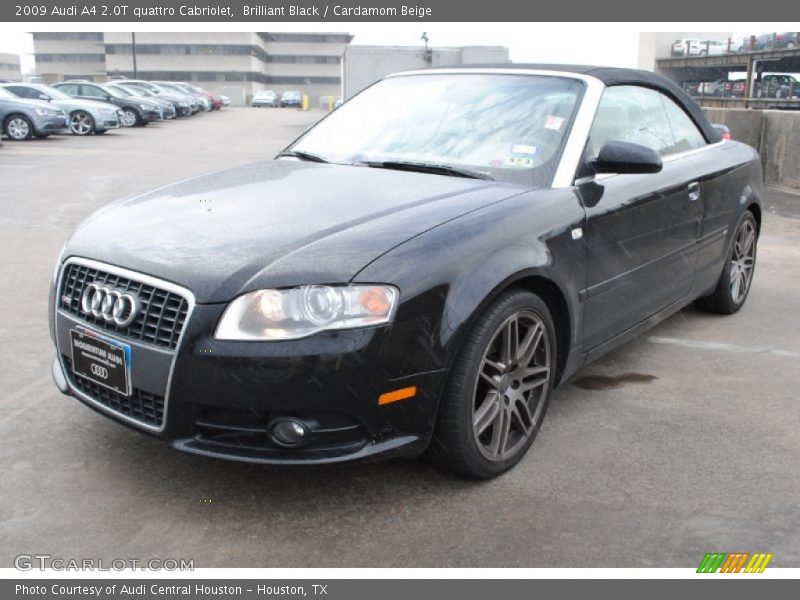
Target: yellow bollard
(304, 105)
(330, 103)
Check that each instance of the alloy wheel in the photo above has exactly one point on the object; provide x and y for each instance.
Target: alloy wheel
(81, 123)
(18, 129)
(128, 118)
(511, 386)
(743, 261)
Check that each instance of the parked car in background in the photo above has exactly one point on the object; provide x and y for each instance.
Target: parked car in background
(291, 98)
(738, 88)
(225, 100)
(202, 100)
(686, 47)
(712, 48)
(778, 85)
(786, 40)
(711, 88)
(186, 104)
(215, 99)
(167, 109)
(691, 87)
(136, 110)
(769, 41)
(23, 119)
(265, 98)
(86, 116)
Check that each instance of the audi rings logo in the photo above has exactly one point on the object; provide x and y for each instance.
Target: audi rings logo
(113, 306)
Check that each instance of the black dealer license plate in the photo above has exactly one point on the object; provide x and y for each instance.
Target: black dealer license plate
(101, 360)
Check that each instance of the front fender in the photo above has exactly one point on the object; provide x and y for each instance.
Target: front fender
(448, 275)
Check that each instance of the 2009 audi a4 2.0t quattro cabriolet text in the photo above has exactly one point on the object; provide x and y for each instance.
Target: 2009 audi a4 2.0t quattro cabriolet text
(415, 273)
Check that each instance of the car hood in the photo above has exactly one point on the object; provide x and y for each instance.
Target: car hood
(274, 224)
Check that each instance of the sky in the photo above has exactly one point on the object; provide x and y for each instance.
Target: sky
(610, 44)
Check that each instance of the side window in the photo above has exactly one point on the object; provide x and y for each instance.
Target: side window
(687, 135)
(24, 92)
(92, 91)
(631, 114)
(68, 88)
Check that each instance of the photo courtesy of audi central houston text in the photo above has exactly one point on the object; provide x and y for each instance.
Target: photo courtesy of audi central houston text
(411, 276)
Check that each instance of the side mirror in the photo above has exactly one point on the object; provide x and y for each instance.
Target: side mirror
(722, 130)
(626, 158)
(44, 97)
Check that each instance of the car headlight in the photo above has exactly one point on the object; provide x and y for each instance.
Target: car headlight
(47, 112)
(148, 106)
(107, 111)
(182, 104)
(299, 312)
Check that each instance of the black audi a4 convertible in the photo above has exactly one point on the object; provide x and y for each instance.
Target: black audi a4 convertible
(415, 273)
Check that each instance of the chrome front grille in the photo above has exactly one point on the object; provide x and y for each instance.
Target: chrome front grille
(160, 320)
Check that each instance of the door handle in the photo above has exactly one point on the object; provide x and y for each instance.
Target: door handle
(694, 191)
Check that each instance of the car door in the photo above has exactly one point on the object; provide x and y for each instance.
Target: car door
(641, 229)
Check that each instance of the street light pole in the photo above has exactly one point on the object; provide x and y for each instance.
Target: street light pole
(133, 50)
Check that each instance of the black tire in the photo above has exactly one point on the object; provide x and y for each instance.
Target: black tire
(100, 131)
(18, 128)
(457, 444)
(722, 300)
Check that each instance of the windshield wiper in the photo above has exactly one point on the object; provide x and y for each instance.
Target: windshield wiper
(303, 156)
(421, 167)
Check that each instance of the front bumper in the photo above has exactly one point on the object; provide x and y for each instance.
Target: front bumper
(217, 398)
(47, 125)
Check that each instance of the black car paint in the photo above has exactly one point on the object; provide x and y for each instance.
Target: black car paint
(611, 256)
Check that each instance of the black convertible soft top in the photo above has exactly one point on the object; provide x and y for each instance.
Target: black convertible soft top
(617, 76)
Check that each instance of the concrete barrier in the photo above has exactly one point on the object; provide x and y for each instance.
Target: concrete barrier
(774, 133)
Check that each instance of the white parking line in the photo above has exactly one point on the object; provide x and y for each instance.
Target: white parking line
(722, 346)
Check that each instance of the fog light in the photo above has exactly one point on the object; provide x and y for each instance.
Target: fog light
(287, 432)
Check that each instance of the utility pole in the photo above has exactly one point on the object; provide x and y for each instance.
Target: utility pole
(133, 50)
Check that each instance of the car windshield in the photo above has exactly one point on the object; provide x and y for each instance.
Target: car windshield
(507, 127)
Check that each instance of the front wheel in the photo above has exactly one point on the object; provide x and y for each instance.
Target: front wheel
(18, 128)
(81, 123)
(737, 274)
(129, 117)
(499, 388)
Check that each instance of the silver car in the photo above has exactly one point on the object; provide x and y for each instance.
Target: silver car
(24, 119)
(86, 116)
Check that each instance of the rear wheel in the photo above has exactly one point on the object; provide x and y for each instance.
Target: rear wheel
(498, 390)
(737, 274)
(81, 123)
(18, 128)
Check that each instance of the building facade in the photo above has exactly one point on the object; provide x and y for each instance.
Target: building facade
(236, 64)
(9, 67)
(364, 65)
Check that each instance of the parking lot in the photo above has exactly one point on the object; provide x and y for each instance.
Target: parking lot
(682, 442)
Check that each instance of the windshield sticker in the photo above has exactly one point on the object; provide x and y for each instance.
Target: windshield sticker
(523, 149)
(520, 157)
(553, 123)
